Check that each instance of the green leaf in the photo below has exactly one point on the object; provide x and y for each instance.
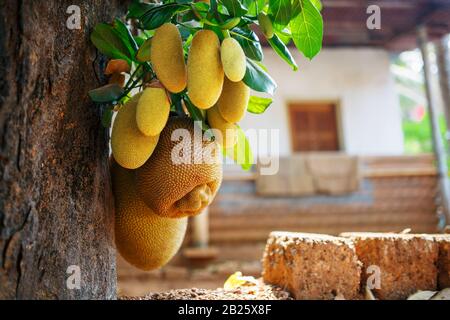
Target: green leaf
(285, 36)
(137, 9)
(241, 153)
(143, 53)
(139, 40)
(317, 4)
(107, 41)
(258, 79)
(296, 8)
(282, 51)
(126, 36)
(307, 30)
(254, 6)
(234, 7)
(249, 42)
(258, 105)
(107, 93)
(280, 12)
(161, 14)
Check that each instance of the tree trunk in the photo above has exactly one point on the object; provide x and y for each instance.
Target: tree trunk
(55, 195)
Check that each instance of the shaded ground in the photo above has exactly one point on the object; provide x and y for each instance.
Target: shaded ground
(260, 291)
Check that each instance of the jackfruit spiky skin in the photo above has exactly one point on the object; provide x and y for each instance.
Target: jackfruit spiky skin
(228, 130)
(233, 101)
(174, 189)
(145, 239)
(152, 111)
(167, 58)
(205, 71)
(233, 59)
(130, 148)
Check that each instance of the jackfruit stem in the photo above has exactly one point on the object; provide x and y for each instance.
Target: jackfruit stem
(226, 33)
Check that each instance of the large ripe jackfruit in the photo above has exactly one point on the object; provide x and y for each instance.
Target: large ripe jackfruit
(233, 59)
(175, 181)
(227, 135)
(152, 111)
(168, 58)
(233, 101)
(145, 239)
(205, 72)
(130, 147)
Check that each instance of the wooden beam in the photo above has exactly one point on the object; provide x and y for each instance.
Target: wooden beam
(438, 145)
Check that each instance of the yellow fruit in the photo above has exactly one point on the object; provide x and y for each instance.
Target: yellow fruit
(205, 72)
(152, 111)
(145, 239)
(233, 59)
(173, 188)
(233, 101)
(228, 131)
(168, 58)
(130, 147)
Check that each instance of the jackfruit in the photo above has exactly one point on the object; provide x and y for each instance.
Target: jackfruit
(130, 148)
(181, 177)
(228, 130)
(205, 71)
(167, 58)
(233, 101)
(266, 25)
(152, 111)
(233, 59)
(145, 239)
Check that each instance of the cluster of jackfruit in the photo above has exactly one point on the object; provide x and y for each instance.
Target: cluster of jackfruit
(153, 195)
(154, 200)
(213, 76)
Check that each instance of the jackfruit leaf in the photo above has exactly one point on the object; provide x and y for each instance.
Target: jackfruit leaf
(107, 117)
(234, 7)
(143, 53)
(161, 14)
(107, 41)
(258, 79)
(107, 93)
(283, 51)
(285, 36)
(126, 37)
(258, 105)
(280, 13)
(139, 40)
(317, 4)
(254, 6)
(249, 42)
(296, 8)
(307, 29)
(137, 9)
(241, 153)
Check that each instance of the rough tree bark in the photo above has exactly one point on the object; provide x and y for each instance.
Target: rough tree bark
(55, 201)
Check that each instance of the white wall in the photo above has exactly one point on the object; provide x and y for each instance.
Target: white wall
(357, 79)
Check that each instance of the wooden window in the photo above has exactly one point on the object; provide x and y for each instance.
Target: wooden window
(313, 127)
